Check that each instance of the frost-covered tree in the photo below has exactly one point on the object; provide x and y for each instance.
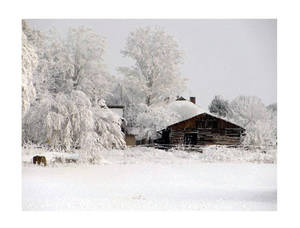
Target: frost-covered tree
(74, 62)
(29, 63)
(219, 106)
(251, 113)
(151, 119)
(37, 39)
(71, 61)
(272, 108)
(69, 121)
(72, 81)
(85, 50)
(154, 78)
(156, 73)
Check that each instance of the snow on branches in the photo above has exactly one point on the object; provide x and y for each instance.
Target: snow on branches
(219, 106)
(151, 119)
(65, 84)
(156, 73)
(153, 80)
(29, 63)
(66, 122)
(251, 113)
(71, 81)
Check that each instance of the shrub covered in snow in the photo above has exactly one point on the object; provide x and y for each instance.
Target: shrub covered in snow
(66, 122)
(150, 119)
(251, 113)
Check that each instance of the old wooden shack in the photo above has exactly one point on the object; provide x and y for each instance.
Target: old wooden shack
(202, 129)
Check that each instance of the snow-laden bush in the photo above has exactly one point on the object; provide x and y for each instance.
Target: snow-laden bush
(108, 127)
(151, 119)
(69, 122)
(251, 113)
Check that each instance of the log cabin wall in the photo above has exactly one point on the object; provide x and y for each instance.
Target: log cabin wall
(205, 129)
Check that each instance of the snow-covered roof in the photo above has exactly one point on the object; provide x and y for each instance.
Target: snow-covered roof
(186, 110)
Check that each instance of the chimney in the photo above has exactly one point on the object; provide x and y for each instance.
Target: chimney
(193, 100)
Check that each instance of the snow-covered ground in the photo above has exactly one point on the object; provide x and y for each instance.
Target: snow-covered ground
(149, 179)
(139, 155)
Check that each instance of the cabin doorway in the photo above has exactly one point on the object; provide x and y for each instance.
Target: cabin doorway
(190, 138)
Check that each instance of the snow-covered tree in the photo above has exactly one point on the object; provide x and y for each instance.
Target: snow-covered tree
(29, 63)
(74, 62)
(37, 39)
(72, 81)
(66, 122)
(272, 108)
(251, 113)
(219, 106)
(156, 73)
(154, 78)
(107, 126)
(153, 118)
(85, 50)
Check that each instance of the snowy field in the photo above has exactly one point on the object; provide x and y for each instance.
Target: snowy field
(150, 179)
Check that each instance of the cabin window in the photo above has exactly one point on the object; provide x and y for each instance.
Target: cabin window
(190, 138)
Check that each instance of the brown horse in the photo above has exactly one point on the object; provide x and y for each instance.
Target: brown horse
(39, 159)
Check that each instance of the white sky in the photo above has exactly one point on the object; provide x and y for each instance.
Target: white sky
(222, 57)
